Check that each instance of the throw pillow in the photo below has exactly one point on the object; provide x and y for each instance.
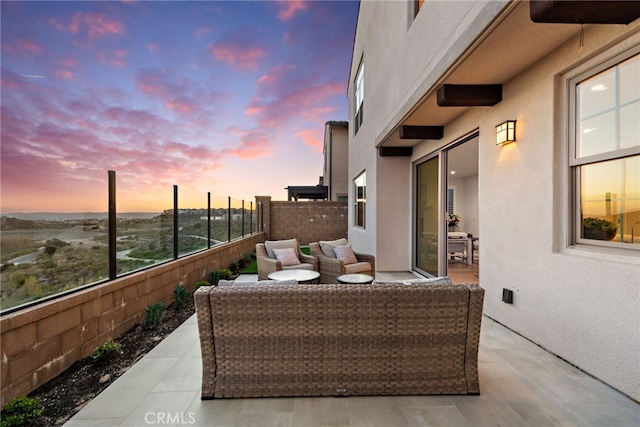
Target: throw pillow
(286, 256)
(326, 246)
(345, 254)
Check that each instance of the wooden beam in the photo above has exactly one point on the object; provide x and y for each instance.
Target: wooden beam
(469, 95)
(395, 151)
(421, 132)
(584, 12)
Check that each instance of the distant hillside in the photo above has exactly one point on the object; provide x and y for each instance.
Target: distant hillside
(67, 216)
(9, 223)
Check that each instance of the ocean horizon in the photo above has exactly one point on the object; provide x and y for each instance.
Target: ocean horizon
(67, 216)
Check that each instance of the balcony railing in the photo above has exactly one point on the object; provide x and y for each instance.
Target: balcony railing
(82, 250)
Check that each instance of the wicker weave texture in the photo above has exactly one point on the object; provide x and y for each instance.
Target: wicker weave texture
(328, 340)
(331, 268)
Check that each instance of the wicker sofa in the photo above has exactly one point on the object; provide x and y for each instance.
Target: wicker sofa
(339, 340)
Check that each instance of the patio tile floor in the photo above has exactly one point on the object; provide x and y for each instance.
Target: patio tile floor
(520, 383)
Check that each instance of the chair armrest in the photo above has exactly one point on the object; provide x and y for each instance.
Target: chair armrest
(368, 258)
(309, 259)
(329, 268)
(266, 265)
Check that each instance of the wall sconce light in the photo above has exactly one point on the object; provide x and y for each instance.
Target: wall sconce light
(506, 132)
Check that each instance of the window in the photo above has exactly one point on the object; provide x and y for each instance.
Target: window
(605, 153)
(359, 97)
(360, 191)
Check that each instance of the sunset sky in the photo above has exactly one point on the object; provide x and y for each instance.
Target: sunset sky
(223, 97)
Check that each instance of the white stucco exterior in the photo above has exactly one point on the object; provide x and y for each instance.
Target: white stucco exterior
(582, 304)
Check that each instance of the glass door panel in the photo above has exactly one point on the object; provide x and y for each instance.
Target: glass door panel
(428, 216)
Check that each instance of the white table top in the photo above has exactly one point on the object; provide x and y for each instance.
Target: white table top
(299, 275)
(355, 278)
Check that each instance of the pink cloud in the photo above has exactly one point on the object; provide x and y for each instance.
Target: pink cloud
(114, 57)
(288, 101)
(253, 144)
(313, 138)
(64, 74)
(236, 55)
(22, 46)
(93, 25)
(152, 47)
(182, 106)
(288, 8)
(69, 62)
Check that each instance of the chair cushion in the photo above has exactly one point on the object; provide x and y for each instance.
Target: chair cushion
(345, 254)
(270, 245)
(302, 266)
(358, 267)
(425, 281)
(287, 256)
(326, 246)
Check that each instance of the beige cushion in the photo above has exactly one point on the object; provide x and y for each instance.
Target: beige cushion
(326, 246)
(345, 254)
(358, 267)
(301, 266)
(287, 256)
(425, 281)
(270, 245)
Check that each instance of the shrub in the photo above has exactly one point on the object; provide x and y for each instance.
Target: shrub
(233, 266)
(106, 352)
(153, 315)
(180, 296)
(201, 283)
(214, 278)
(21, 411)
(225, 273)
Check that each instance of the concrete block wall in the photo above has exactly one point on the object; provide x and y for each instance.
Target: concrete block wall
(40, 342)
(306, 221)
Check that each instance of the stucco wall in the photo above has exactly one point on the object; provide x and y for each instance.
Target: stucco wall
(581, 304)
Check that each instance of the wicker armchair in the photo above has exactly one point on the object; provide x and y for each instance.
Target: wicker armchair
(268, 263)
(330, 267)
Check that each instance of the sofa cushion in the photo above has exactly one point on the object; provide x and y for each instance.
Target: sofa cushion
(270, 245)
(358, 267)
(417, 281)
(345, 254)
(326, 246)
(286, 256)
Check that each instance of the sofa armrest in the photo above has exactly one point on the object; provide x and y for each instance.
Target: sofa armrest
(207, 347)
(309, 259)
(476, 301)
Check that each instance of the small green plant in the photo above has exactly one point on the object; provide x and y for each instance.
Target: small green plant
(200, 283)
(106, 352)
(225, 273)
(232, 267)
(214, 278)
(21, 411)
(153, 315)
(180, 296)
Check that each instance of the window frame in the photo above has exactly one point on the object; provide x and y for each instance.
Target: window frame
(576, 162)
(358, 94)
(360, 221)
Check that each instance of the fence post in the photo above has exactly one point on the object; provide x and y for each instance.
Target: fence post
(208, 219)
(175, 222)
(113, 268)
(242, 228)
(251, 217)
(229, 219)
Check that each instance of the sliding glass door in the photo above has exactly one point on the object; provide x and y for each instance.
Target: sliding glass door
(428, 216)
